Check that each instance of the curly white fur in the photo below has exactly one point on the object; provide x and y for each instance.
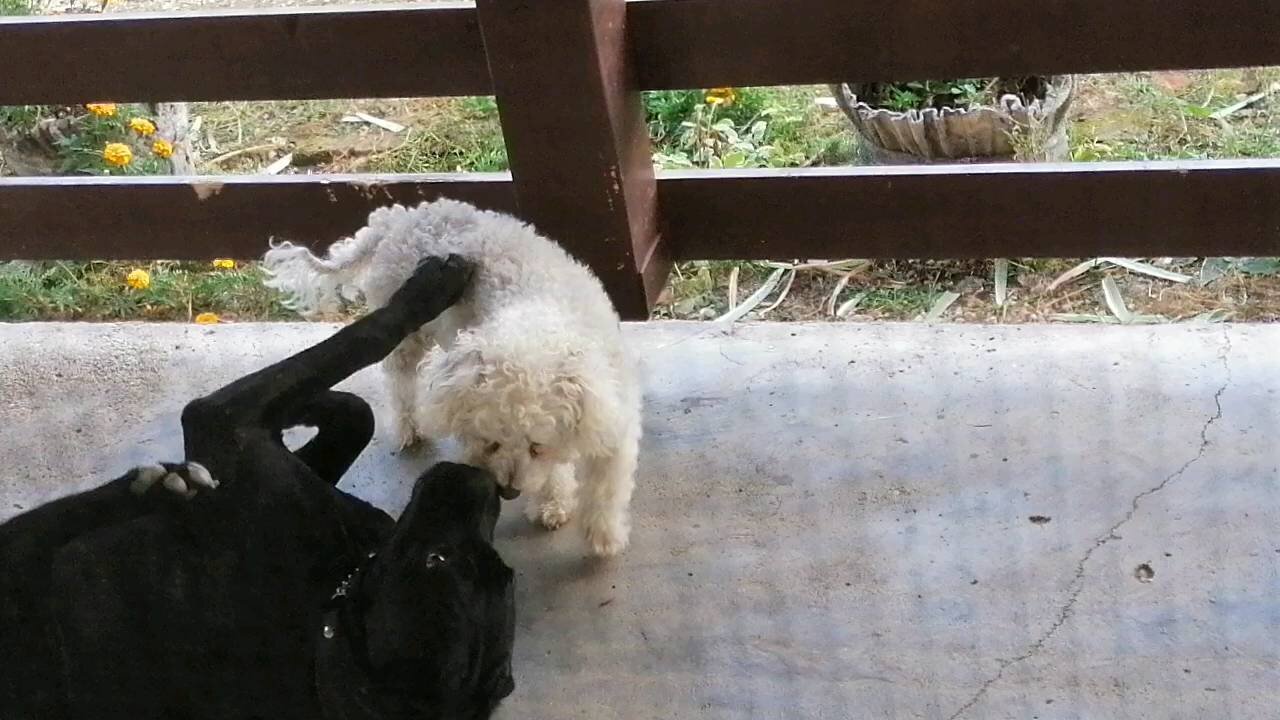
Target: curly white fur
(528, 369)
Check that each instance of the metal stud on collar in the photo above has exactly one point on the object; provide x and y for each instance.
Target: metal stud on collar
(344, 587)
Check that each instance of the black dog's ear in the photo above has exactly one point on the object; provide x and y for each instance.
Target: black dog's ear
(498, 577)
(504, 684)
(494, 687)
(499, 684)
(497, 681)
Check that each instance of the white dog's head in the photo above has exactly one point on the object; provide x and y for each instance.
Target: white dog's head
(522, 402)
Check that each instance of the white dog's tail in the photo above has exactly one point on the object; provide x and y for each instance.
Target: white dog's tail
(316, 285)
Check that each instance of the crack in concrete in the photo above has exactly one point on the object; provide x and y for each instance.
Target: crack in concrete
(1076, 587)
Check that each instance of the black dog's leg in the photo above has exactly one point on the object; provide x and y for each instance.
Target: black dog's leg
(118, 501)
(345, 424)
(211, 424)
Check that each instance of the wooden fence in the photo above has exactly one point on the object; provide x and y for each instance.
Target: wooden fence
(567, 76)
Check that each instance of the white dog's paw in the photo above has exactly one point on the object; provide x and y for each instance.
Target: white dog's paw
(550, 514)
(408, 436)
(606, 539)
(185, 480)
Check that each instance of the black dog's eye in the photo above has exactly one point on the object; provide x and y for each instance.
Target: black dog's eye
(435, 559)
(492, 448)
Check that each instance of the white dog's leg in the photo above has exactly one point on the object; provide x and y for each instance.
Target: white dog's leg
(606, 497)
(555, 502)
(401, 368)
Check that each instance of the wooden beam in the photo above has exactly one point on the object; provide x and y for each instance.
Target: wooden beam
(259, 54)
(709, 43)
(977, 211)
(971, 211)
(437, 50)
(78, 218)
(577, 139)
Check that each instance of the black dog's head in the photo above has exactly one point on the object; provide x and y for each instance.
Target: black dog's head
(438, 602)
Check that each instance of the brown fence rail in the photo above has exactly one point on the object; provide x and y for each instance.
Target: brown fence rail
(975, 211)
(567, 74)
(437, 49)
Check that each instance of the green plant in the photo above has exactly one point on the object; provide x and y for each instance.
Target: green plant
(113, 140)
(102, 291)
(902, 97)
(20, 7)
(668, 110)
(481, 106)
(708, 142)
(939, 94)
(21, 117)
(718, 133)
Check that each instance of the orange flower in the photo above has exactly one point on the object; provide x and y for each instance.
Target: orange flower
(104, 109)
(207, 319)
(143, 127)
(721, 96)
(162, 148)
(117, 154)
(138, 279)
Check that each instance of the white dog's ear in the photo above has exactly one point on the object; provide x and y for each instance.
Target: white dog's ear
(449, 376)
(588, 387)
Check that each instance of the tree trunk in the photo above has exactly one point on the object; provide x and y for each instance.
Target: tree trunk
(173, 123)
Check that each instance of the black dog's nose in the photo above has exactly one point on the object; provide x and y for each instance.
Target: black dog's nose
(461, 490)
(450, 495)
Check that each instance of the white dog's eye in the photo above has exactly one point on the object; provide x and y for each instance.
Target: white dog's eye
(492, 448)
(535, 450)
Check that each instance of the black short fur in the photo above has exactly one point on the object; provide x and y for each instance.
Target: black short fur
(222, 606)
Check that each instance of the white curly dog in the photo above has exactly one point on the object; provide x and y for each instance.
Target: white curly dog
(528, 370)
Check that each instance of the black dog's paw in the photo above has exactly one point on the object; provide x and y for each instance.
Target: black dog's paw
(435, 285)
(185, 480)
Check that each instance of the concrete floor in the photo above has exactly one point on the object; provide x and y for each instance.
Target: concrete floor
(831, 521)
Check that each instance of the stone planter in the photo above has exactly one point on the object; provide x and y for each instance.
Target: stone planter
(981, 134)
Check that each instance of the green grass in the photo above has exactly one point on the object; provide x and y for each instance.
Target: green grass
(445, 150)
(21, 116)
(904, 302)
(1155, 123)
(20, 7)
(469, 139)
(1130, 117)
(97, 291)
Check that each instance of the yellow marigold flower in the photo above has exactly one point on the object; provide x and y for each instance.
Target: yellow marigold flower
(143, 127)
(101, 109)
(162, 148)
(117, 154)
(207, 319)
(138, 279)
(224, 264)
(721, 96)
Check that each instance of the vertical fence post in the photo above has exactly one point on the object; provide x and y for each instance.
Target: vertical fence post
(576, 137)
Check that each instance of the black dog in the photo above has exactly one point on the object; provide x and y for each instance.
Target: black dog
(275, 595)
